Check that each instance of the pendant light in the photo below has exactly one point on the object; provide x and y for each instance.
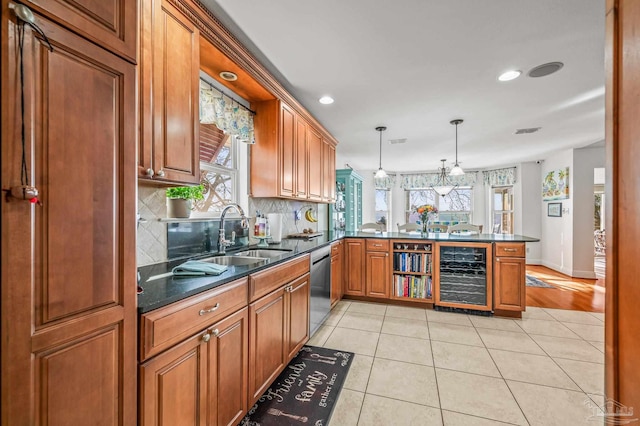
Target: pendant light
(443, 186)
(381, 173)
(457, 170)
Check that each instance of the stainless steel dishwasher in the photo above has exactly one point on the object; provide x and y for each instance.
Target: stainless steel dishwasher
(320, 303)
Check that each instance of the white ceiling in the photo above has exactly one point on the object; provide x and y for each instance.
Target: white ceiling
(414, 65)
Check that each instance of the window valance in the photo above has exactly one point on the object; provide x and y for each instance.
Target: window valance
(427, 180)
(386, 182)
(228, 115)
(500, 177)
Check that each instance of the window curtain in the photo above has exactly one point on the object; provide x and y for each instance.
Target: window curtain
(228, 115)
(427, 180)
(500, 177)
(386, 182)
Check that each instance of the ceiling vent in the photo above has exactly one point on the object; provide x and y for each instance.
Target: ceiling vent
(529, 130)
(545, 69)
(397, 141)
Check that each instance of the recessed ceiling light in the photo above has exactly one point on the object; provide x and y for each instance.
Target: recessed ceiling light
(228, 76)
(509, 75)
(326, 100)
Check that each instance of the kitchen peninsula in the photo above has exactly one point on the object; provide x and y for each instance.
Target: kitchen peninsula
(493, 261)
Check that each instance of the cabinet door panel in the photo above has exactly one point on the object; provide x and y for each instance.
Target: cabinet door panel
(302, 158)
(287, 152)
(229, 362)
(267, 342)
(355, 267)
(78, 380)
(174, 385)
(175, 92)
(298, 332)
(315, 164)
(509, 283)
(109, 23)
(378, 282)
(68, 291)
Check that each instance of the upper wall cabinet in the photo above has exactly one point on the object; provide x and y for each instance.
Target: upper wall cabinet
(109, 23)
(169, 90)
(290, 159)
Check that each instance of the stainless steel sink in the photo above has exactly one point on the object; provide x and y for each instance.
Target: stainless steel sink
(262, 253)
(236, 260)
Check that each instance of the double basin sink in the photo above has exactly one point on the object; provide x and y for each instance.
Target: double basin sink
(246, 258)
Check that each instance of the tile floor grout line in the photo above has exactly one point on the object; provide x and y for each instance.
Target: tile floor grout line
(435, 375)
(369, 377)
(403, 400)
(504, 380)
(478, 417)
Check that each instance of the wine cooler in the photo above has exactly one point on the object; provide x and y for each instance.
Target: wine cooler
(464, 275)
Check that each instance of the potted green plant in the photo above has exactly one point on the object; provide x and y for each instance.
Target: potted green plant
(180, 200)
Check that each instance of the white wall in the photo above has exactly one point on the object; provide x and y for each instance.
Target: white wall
(557, 232)
(528, 201)
(585, 160)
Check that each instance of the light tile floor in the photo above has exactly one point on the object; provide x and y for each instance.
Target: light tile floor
(422, 367)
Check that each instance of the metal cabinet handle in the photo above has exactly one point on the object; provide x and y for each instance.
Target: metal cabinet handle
(377, 245)
(150, 172)
(161, 173)
(215, 332)
(386, 254)
(510, 249)
(206, 337)
(209, 310)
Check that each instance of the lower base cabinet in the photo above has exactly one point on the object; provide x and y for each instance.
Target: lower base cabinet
(279, 326)
(509, 283)
(201, 381)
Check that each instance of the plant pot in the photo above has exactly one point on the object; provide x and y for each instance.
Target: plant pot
(178, 208)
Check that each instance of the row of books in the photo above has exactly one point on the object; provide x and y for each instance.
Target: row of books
(412, 262)
(414, 286)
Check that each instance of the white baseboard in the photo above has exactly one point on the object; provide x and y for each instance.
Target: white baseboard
(558, 268)
(591, 275)
(534, 261)
(574, 273)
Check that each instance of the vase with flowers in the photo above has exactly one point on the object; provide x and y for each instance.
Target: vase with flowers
(427, 213)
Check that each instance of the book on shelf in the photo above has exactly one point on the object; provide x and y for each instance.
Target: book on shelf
(412, 262)
(413, 286)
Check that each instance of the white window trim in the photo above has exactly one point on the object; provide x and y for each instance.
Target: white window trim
(494, 211)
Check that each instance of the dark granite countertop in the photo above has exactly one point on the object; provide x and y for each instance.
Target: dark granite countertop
(167, 289)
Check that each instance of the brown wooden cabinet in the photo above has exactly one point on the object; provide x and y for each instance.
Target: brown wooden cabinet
(267, 341)
(279, 326)
(109, 23)
(298, 314)
(169, 95)
(316, 165)
(328, 172)
(68, 279)
(305, 160)
(378, 269)
(201, 381)
(509, 267)
(354, 252)
(337, 271)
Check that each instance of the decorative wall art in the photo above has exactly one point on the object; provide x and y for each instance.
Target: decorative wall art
(555, 185)
(554, 209)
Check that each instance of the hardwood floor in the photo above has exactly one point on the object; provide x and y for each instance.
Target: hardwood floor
(570, 293)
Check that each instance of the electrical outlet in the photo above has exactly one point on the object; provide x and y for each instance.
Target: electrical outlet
(297, 215)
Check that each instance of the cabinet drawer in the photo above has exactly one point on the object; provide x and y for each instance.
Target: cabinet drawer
(268, 280)
(164, 327)
(336, 248)
(377, 245)
(509, 249)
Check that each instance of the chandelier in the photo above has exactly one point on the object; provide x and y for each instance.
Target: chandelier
(443, 186)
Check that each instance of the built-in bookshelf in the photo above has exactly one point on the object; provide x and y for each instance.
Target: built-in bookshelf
(412, 270)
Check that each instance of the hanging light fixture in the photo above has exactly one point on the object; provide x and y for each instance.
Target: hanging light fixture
(443, 186)
(457, 170)
(381, 173)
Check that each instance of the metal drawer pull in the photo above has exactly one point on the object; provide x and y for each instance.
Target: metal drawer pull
(215, 332)
(206, 337)
(509, 249)
(208, 311)
(377, 245)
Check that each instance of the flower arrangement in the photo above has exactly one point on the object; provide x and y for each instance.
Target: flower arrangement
(425, 210)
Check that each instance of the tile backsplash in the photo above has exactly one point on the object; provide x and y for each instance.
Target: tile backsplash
(153, 245)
